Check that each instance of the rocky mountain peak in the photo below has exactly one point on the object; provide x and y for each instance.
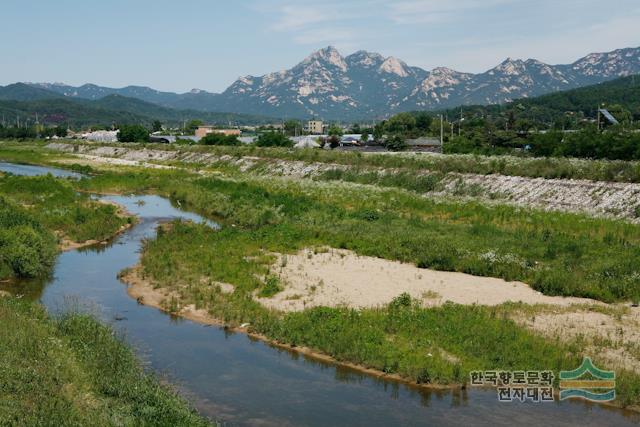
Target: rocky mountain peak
(328, 55)
(364, 59)
(393, 65)
(511, 67)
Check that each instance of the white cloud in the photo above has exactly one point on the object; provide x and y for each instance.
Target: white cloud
(298, 17)
(315, 23)
(439, 11)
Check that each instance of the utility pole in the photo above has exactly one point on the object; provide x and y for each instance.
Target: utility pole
(598, 117)
(460, 124)
(441, 130)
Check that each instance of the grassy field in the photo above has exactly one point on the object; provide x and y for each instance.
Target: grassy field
(556, 253)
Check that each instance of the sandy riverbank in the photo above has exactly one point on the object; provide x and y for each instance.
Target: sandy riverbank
(336, 277)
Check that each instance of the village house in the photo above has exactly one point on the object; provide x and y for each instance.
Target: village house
(314, 127)
(203, 131)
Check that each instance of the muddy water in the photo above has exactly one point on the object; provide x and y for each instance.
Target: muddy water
(239, 381)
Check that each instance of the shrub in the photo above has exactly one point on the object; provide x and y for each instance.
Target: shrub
(26, 249)
(395, 143)
(273, 139)
(219, 139)
(133, 133)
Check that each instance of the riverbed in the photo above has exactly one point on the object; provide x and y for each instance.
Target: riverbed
(240, 381)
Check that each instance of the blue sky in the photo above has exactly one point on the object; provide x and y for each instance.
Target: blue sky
(179, 45)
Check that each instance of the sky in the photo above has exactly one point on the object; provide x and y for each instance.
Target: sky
(179, 45)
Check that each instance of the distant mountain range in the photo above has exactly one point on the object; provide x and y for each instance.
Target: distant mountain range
(20, 102)
(366, 85)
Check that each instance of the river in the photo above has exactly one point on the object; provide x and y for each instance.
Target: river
(240, 381)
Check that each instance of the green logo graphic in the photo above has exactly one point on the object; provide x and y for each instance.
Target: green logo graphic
(599, 386)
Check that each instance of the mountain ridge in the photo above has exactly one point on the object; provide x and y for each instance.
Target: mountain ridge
(20, 102)
(365, 85)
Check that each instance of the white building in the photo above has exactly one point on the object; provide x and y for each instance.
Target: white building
(314, 127)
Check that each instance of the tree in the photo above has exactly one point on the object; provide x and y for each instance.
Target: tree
(335, 130)
(133, 133)
(219, 139)
(402, 123)
(61, 131)
(292, 127)
(621, 114)
(423, 122)
(192, 125)
(273, 139)
(378, 131)
(522, 125)
(156, 126)
(395, 143)
(364, 136)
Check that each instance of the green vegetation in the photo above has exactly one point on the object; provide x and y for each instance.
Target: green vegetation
(219, 139)
(133, 133)
(273, 139)
(395, 143)
(410, 125)
(293, 127)
(58, 207)
(72, 371)
(587, 143)
(439, 345)
(26, 248)
(557, 253)
(407, 180)
(560, 110)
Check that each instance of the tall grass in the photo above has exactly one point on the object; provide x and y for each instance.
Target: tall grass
(73, 371)
(58, 207)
